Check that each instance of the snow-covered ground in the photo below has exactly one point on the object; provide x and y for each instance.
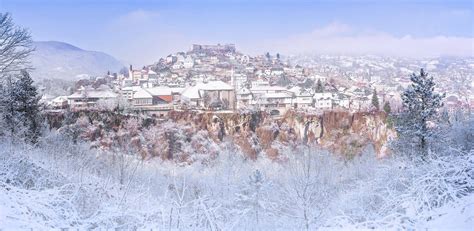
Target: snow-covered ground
(60, 185)
(454, 217)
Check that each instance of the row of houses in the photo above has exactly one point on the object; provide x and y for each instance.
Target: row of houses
(213, 95)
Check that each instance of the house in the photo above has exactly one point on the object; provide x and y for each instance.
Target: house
(259, 83)
(152, 75)
(171, 59)
(243, 98)
(276, 103)
(277, 71)
(161, 95)
(244, 59)
(319, 78)
(239, 80)
(361, 103)
(264, 89)
(303, 98)
(275, 99)
(127, 92)
(341, 100)
(188, 62)
(142, 97)
(88, 97)
(138, 76)
(177, 65)
(323, 100)
(267, 72)
(156, 101)
(59, 102)
(210, 95)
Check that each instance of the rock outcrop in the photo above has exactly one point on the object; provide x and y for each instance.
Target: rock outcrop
(189, 133)
(258, 133)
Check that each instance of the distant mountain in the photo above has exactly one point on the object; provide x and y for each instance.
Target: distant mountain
(59, 60)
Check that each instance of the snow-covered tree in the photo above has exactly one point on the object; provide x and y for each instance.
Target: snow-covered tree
(126, 147)
(27, 99)
(387, 108)
(253, 196)
(420, 105)
(10, 116)
(20, 107)
(375, 100)
(307, 187)
(319, 86)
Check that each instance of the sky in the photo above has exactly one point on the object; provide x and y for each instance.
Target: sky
(142, 31)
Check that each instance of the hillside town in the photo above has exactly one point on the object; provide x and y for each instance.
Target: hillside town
(219, 78)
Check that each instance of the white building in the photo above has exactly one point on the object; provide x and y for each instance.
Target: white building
(210, 95)
(59, 102)
(323, 100)
(88, 97)
(303, 98)
(239, 80)
(188, 62)
(320, 78)
(243, 98)
(275, 99)
(342, 101)
(141, 97)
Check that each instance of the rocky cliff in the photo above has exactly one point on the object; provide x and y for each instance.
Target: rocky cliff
(188, 135)
(258, 133)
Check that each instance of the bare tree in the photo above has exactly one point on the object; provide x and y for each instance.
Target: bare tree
(15, 46)
(308, 188)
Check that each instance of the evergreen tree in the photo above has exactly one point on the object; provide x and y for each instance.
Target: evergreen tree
(420, 104)
(10, 117)
(387, 108)
(28, 99)
(375, 100)
(319, 87)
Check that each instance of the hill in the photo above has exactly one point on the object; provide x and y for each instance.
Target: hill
(59, 60)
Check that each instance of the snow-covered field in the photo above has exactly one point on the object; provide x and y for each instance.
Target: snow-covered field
(59, 184)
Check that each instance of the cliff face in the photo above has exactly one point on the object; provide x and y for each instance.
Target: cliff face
(347, 133)
(258, 133)
(188, 135)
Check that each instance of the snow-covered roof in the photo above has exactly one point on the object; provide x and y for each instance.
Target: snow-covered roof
(131, 88)
(243, 91)
(59, 99)
(324, 95)
(214, 85)
(159, 91)
(278, 95)
(142, 94)
(178, 90)
(295, 89)
(192, 92)
(267, 88)
(93, 94)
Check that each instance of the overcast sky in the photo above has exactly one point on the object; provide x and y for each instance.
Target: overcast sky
(142, 31)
